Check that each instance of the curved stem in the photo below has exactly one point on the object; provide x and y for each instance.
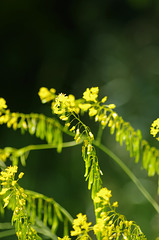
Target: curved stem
(45, 146)
(99, 134)
(48, 146)
(130, 174)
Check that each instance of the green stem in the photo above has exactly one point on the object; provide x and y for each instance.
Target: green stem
(99, 134)
(45, 146)
(130, 174)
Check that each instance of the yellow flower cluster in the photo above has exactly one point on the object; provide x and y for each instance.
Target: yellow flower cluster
(64, 106)
(46, 95)
(6, 117)
(155, 128)
(8, 175)
(3, 111)
(2, 104)
(80, 225)
(104, 223)
(103, 196)
(91, 95)
(67, 106)
(9, 184)
(14, 195)
(110, 224)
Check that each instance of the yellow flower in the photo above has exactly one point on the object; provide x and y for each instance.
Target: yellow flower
(13, 183)
(6, 201)
(84, 106)
(77, 231)
(46, 95)
(96, 118)
(104, 100)
(8, 173)
(64, 238)
(97, 200)
(77, 134)
(92, 111)
(12, 169)
(72, 129)
(80, 219)
(4, 118)
(91, 94)
(64, 104)
(80, 224)
(21, 175)
(99, 209)
(71, 99)
(2, 103)
(91, 135)
(112, 106)
(3, 191)
(62, 98)
(57, 109)
(115, 204)
(22, 202)
(114, 115)
(63, 118)
(99, 226)
(130, 223)
(89, 149)
(67, 124)
(154, 127)
(104, 194)
(78, 140)
(60, 105)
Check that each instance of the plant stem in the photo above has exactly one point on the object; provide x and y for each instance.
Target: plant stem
(99, 134)
(129, 173)
(46, 146)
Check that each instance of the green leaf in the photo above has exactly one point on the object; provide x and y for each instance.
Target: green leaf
(7, 233)
(55, 223)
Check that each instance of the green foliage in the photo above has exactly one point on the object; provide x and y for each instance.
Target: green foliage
(34, 213)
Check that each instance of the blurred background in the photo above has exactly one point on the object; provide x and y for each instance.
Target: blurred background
(71, 45)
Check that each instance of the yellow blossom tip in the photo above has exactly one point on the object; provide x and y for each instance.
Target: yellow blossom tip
(115, 204)
(111, 106)
(3, 191)
(104, 99)
(46, 95)
(21, 175)
(2, 103)
(72, 129)
(91, 135)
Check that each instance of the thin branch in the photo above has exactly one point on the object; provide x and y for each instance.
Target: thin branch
(99, 134)
(19, 152)
(48, 146)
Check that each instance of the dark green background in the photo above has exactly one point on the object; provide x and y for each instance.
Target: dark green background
(72, 45)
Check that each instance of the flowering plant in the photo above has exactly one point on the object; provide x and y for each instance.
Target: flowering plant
(36, 216)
